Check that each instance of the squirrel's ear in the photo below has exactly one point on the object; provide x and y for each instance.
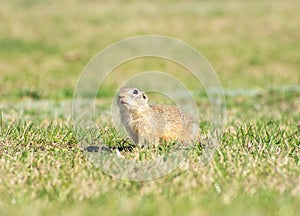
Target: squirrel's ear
(144, 96)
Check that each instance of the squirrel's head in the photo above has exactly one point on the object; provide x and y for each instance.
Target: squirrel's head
(132, 99)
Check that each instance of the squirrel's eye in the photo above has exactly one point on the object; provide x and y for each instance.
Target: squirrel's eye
(135, 91)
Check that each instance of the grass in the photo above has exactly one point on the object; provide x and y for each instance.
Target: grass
(256, 169)
(253, 46)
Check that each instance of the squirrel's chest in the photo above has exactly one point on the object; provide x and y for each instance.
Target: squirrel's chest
(146, 121)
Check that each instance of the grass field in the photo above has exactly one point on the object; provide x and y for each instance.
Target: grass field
(254, 46)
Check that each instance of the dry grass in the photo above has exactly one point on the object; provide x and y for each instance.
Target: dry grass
(44, 45)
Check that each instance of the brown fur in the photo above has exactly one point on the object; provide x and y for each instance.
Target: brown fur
(152, 124)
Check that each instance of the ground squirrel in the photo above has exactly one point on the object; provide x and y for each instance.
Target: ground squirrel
(153, 124)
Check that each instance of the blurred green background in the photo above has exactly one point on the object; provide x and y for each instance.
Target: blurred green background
(44, 45)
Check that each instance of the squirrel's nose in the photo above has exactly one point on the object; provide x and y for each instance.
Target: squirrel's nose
(121, 96)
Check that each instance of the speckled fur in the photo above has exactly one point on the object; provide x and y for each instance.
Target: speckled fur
(153, 124)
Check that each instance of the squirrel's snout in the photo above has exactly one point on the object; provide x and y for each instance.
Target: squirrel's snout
(121, 99)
